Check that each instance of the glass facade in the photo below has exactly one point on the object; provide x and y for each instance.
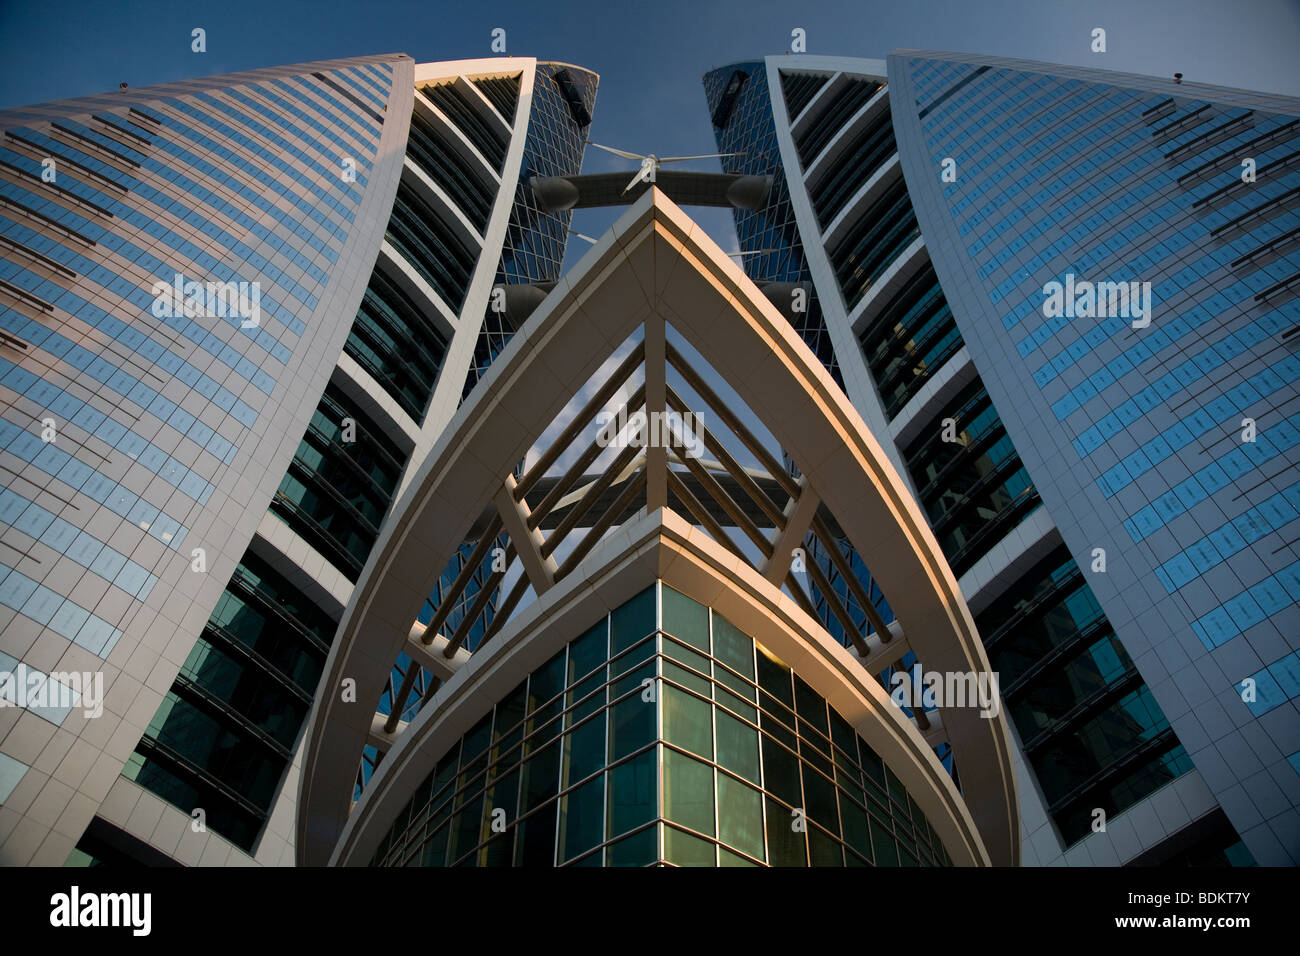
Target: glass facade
(1169, 431)
(397, 345)
(970, 480)
(909, 339)
(133, 204)
(812, 137)
(469, 189)
(876, 239)
(226, 731)
(340, 483)
(867, 150)
(563, 100)
(661, 735)
(122, 416)
(418, 232)
(1087, 722)
(741, 105)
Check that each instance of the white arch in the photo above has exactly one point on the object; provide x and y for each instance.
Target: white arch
(654, 266)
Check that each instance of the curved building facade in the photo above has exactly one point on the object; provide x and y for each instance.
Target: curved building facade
(937, 197)
(193, 487)
(653, 688)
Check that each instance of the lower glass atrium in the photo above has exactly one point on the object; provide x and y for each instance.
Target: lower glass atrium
(661, 735)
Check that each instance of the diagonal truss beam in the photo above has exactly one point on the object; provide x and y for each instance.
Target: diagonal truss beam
(798, 518)
(580, 421)
(579, 467)
(513, 511)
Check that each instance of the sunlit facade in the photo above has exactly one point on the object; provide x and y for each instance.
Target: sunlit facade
(216, 480)
(1061, 461)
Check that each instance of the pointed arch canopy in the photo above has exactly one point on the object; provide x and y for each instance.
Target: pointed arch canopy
(654, 268)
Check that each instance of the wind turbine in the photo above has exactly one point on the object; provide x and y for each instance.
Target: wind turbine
(650, 164)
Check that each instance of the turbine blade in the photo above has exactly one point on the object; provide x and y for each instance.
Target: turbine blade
(617, 152)
(681, 159)
(635, 179)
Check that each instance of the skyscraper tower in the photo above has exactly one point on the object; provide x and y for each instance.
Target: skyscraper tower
(1108, 479)
(233, 310)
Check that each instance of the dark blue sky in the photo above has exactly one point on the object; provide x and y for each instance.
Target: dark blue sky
(650, 55)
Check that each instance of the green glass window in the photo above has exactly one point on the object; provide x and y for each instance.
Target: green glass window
(737, 746)
(686, 619)
(632, 794)
(785, 844)
(688, 721)
(588, 651)
(740, 816)
(584, 750)
(631, 726)
(684, 849)
(688, 791)
(733, 647)
(639, 849)
(586, 765)
(632, 621)
(582, 818)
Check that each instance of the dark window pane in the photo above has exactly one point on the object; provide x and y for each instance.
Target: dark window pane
(587, 651)
(781, 772)
(819, 797)
(684, 849)
(546, 682)
(686, 619)
(582, 817)
(740, 816)
(688, 721)
(535, 845)
(541, 777)
(857, 832)
(631, 726)
(640, 849)
(435, 848)
(632, 621)
(785, 846)
(883, 842)
(688, 792)
(466, 829)
(633, 794)
(584, 750)
(811, 707)
(774, 677)
(823, 849)
(737, 746)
